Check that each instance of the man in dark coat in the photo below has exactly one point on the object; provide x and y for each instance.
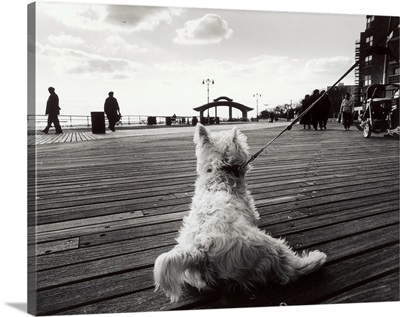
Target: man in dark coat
(325, 106)
(111, 109)
(315, 111)
(53, 110)
(306, 119)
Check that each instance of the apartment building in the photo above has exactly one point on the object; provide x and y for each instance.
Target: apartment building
(377, 51)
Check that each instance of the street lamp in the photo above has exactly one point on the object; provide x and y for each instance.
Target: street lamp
(208, 82)
(257, 95)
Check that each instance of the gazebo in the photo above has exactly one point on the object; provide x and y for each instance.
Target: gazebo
(224, 101)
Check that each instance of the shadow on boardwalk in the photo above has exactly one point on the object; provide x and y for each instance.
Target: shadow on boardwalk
(106, 209)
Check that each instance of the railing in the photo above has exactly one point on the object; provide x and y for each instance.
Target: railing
(394, 79)
(82, 121)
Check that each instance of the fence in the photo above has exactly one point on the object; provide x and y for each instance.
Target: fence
(82, 121)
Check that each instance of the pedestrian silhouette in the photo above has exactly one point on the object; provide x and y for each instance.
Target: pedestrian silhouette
(52, 110)
(325, 106)
(111, 109)
(306, 119)
(315, 110)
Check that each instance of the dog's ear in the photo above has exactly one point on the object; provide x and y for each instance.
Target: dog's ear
(239, 139)
(201, 134)
(236, 137)
(234, 134)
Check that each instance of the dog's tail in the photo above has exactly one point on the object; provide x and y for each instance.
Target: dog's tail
(290, 265)
(172, 269)
(309, 262)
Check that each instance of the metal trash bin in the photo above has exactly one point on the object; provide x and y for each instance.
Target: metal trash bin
(98, 122)
(151, 120)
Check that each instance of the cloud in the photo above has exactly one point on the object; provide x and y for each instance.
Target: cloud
(325, 70)
(209, 29)
(63, 39)
(140, 18)
(100, 17)
(68, 61)
(327, 65)
(117, 44)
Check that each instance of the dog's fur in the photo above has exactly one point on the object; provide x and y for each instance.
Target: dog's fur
(219, 243)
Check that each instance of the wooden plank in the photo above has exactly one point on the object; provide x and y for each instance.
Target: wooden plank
(51, 301)
(147, 300)
(91, 253)
(131, 182)
(318, 235)
(89, 221)
(76, 212)
(110, 226)
(104, 266)
(320, 286)
(57, 246)
(387, 287)
(131, 233)
(300, 224)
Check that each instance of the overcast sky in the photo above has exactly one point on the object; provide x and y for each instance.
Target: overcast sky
(155, 58)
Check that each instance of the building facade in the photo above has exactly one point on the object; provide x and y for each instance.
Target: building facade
(378, 54)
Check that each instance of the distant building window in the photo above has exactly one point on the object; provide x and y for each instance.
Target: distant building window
(367, 61)
(367, 80)
(370, 19)
(397, 71)
(369, 40)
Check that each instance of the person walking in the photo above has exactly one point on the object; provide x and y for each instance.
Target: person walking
(52, 110)
(111, 109)
(306, 119)
(315, 110)
(325, 106)
(346, 111)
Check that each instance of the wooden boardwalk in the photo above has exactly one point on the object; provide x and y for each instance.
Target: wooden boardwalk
(107, 208)
(66, 137)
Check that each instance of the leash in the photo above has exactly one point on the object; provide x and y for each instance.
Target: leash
(289, 127)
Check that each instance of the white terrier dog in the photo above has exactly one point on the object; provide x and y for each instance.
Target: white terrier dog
(219, 245)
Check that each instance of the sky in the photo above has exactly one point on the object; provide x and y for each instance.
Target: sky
(156, 58)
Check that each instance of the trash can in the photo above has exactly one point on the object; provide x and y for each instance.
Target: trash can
(151, 120)
(98, 122)
(168, 121)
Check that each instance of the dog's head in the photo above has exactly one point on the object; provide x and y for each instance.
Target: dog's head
(221, 153)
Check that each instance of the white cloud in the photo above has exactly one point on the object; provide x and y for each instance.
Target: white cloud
(117, 44)
(63, 39)
(76, 62)
(100, 17)
(209, 29)
(325, 71)
(137, 18)
(327, 65)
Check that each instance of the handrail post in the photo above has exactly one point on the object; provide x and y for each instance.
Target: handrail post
(70, 120)
(87, 120)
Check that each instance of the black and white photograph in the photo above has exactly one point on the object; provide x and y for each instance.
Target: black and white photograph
(205, 157)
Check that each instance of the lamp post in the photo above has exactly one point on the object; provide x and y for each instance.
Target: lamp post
(208, 82)
(257, 95)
